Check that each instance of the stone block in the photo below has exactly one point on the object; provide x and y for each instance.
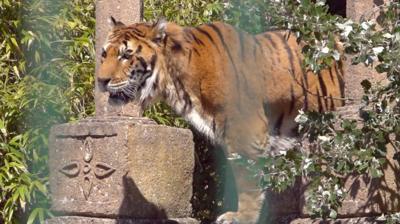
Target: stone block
(89, 220)
(360, 220)
(121, 167)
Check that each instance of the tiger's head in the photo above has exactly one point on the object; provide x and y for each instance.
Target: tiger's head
(132, 61)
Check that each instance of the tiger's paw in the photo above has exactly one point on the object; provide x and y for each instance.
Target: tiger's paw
(228, 218)
(235, 218)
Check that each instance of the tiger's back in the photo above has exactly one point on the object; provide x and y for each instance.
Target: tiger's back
(259, 82)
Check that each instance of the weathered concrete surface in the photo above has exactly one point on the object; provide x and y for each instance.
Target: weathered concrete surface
(362, 220)
(88, 220)
(354, 74)
(121, 168)
(367, 9)
(127, 11)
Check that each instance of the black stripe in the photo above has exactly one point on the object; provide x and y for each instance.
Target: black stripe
(323, 89)
(190, 56)
(208, 36)
(186, 98)
(255, 46)
(197, 40)
(271, 45)
(138, 32)
(241, 43)
(139, 49)
(305, 94)
(278, 124)
(332, 102)
(196, 51)
(341, 81)
(288, 50)
(331, 76)
(269, 38)
(142, 62)
(216, 29)
(153, 61)
(214, 125)
(292, 99)
(320, 106)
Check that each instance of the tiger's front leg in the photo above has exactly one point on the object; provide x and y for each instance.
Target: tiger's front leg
(249, 142)
(250, 200)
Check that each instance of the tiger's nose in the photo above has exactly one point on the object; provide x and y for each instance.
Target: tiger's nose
(102, 83)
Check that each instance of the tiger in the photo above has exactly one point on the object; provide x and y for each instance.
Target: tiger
(237, 89)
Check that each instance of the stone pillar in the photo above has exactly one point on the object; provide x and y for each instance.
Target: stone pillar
(128, 11)
(354, 74)
(118, 167)
(126, 169)
(367, 9)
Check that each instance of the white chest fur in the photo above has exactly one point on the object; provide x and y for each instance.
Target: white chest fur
(200, 123)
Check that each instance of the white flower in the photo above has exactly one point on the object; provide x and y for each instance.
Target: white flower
(325, 50)
(346, 27)
(307, 163)
(234, 156)
(320, 3)
(301, 117)
(387, 35)
(377, 50)
(326, 193)
(366, 25)
(324, 138)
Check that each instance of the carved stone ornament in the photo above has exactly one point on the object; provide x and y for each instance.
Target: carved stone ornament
(84, 168)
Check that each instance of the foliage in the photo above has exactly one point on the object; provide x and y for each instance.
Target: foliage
(340, 147)
(185, 13)
(252, 16)
(46, 74)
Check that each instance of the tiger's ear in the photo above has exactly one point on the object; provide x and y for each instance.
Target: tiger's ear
(114, 23)
(159, 30)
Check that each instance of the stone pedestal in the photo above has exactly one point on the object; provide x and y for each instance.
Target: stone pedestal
(121, 168)
(354, 74)
(88, 220)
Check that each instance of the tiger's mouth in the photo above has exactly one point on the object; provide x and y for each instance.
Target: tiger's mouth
(128, 89)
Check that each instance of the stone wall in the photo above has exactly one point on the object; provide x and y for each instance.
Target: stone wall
(367, 198)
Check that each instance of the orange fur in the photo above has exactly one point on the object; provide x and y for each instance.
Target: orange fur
(236, 88)
(241, 86)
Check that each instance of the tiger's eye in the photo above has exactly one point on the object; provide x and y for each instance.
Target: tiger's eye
(126, 56)
(103, 53)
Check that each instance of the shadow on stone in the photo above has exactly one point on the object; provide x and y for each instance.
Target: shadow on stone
(135, 204)
(382, 195)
